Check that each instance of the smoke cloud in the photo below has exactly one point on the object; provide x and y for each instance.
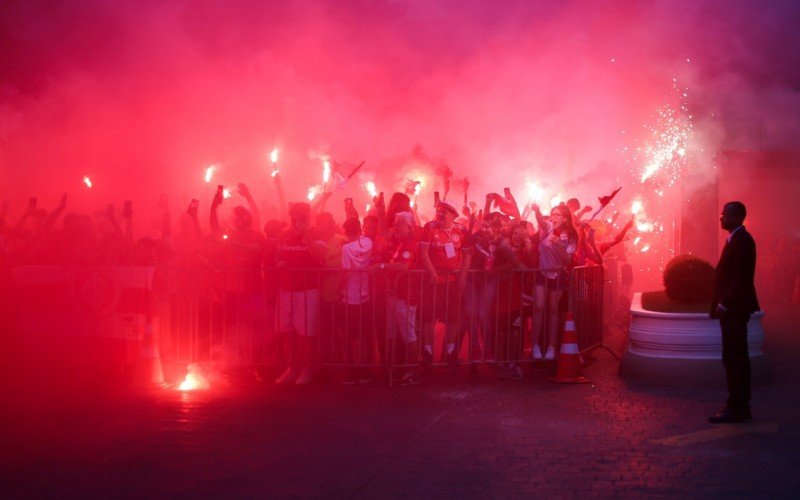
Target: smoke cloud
(143, 96)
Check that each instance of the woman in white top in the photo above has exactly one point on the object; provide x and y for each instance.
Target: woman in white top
(558, 241)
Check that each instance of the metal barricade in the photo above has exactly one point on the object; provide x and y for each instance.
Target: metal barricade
(370, 319)
(587, 305)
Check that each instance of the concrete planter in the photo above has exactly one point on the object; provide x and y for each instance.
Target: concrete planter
(683, 349)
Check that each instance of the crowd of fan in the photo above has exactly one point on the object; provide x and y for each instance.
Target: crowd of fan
(462, 267)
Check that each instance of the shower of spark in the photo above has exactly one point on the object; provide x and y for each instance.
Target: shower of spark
(656, 167)
(669, 137)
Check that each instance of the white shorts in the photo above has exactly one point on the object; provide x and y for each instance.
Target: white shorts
(403, 317)
(298, 312)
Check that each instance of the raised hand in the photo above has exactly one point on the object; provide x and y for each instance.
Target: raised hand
(243, 190)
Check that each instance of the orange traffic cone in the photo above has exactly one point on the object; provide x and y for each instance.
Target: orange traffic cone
(568, 366)
(149, 370)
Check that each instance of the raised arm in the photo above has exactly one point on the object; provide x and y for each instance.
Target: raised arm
(213, 219)
(56, 213)
(251, 203)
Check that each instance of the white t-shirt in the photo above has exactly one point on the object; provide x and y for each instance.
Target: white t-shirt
(554, 255)
(356, 255)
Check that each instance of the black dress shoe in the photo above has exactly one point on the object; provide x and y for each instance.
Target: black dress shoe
(728, 416)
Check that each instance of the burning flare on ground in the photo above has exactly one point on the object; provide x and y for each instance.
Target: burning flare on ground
(194, 380)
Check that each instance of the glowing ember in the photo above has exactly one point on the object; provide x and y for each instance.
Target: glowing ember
(326, 171)
(313, 191)
(224, 236)
(209, 173)
(226, 193)
(645, 227)
(87, 181)
(645, 248)
(274, 173)
(371, 189)
(636, 207)
(637, 240)
(366, 209)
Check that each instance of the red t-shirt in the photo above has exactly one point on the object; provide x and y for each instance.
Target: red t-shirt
(295, 253)
(408, 285)
(445, 246)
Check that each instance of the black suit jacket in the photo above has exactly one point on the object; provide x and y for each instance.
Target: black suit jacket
(734, 286)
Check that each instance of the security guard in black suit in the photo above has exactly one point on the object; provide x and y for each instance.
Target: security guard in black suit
(733, 303)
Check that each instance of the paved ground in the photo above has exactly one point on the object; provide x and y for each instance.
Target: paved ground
(454, 435)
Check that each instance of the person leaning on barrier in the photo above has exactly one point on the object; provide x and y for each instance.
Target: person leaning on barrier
(558, 241)
(355, 295)
(298, 254)
(446, 259)
(402, 304)
(481, 286)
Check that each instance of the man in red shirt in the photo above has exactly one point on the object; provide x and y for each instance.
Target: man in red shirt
(298, 255)
(446, 259)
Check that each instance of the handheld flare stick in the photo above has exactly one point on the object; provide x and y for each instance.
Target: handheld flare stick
(339, 185)
(273, 157)
(465, 185)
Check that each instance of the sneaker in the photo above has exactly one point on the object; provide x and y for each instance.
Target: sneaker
(304, 377)
(537, 353)
(550, 355)
(288, 376)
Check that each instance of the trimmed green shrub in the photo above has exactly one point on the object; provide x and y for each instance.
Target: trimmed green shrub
(689, 279)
